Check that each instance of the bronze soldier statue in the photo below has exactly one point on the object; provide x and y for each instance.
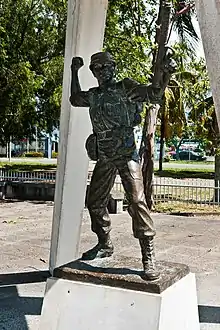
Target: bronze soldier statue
(114, 111)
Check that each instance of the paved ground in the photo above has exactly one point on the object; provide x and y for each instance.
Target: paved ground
(25, 239)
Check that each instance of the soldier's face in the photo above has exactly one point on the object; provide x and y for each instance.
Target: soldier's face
(103, 72)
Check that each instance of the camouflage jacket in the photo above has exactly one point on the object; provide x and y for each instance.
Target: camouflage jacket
(113, 118)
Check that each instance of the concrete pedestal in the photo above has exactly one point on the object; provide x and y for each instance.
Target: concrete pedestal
(102, 294)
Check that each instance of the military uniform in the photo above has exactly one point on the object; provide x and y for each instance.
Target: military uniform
(113, 118)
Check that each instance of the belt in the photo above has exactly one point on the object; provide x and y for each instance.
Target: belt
(104, 135)
(110, 133)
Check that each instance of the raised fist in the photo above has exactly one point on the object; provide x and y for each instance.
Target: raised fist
(77, 63)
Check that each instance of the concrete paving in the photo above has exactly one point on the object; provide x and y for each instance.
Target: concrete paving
(25, 229)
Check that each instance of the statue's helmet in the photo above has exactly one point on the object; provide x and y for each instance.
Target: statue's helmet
(101, 58)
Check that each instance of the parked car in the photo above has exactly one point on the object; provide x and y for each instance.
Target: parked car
(191, 155)
(199, 151)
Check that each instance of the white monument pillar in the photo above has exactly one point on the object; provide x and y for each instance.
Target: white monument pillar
(85, 32)
(208, 12)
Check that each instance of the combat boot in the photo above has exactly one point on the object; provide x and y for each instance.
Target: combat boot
(148, 258)
(103, 249)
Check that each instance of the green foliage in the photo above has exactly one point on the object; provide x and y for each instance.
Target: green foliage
(185, 87)
(196, 100)
(200, 102)
(28, 166)
(198, 88)
(34, 154)
(180, 173)
(131, 31)
(205, 119)
(129, 36)
(172, 111)
(183, 25)
(50, 95)
(32, 34)
(167, 158)
(186, 209)
(54, 154)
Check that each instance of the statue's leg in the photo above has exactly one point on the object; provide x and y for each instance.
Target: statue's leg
(142, 223)
(98, 197)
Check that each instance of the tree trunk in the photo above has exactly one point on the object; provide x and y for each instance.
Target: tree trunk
(217, 161)
(217, 178)
(148, 154)
(162, 137)
(161, 154)
(158, 81)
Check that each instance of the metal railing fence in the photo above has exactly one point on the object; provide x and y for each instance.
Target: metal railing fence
(194, 191)
(27, 176)
(189, 191)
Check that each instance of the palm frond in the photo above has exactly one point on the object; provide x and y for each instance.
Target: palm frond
(205, 107)
(183, 25)
(186, 76)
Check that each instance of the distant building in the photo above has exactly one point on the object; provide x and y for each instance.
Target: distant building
(45, 143)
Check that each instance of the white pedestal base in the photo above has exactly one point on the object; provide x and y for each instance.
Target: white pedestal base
(71, 305)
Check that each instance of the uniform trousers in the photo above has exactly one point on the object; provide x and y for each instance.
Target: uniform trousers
(102, 181)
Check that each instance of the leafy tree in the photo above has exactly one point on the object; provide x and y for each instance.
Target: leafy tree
(31, 59)
(208, 130)
(131, 36)
(128, 37)
(172, 115)
(203, 116)
(181, 22)
(166, 18)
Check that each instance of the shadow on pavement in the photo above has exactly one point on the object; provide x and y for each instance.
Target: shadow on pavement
(209, 314)
(15, 308)
(25, 277)
(10, 201)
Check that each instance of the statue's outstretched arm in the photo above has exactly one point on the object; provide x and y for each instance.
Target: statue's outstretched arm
(154, 93)
(137, 92)
(78, 98)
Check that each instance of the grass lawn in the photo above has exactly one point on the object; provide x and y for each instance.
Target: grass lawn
(186, 162)
(180, 207)
(180, 173)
